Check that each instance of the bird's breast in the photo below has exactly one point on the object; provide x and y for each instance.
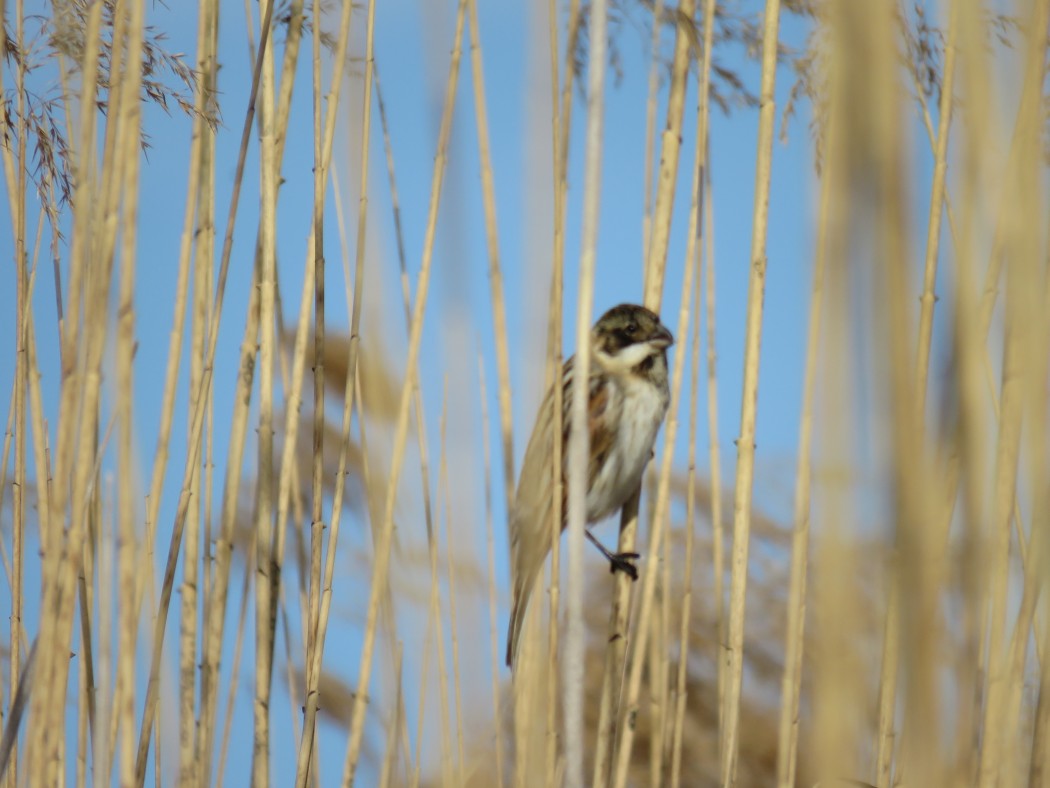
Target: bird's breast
(637, 408)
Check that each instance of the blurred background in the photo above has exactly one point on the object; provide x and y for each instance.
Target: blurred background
(288, 286)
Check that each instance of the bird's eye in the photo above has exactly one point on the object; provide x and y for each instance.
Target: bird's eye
(631, 329)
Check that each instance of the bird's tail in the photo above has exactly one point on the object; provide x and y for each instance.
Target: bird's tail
(517, 619)
(519, 607)
(528, 551)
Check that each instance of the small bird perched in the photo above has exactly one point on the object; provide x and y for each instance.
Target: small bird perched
(627, 401)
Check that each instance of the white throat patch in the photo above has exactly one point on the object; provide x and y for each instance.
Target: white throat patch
(626, 360)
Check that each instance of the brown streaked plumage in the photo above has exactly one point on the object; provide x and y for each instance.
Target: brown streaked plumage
(628, 398)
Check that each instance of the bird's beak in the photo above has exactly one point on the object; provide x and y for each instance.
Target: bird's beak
(663, 339)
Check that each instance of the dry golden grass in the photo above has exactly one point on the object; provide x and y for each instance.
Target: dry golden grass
(890, 630)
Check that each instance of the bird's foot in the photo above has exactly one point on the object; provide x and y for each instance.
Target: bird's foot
(618, 562)
(621, 562)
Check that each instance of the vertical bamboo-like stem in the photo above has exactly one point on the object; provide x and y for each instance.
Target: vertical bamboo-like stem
(421, 426)
(670, 147)
(450, 568)
(265, 492)
(100, 271)
(433, 635)
(937, 197)
(637, 662)
(194, 190)
(660, 702)
(317, 486)
(395, 208)
(16, 710)
(125, 352)
(495, 272)
(197, 425)
(392, 728)
(494, 661)
(499, 312)
(288, 478)
(887, 686)
(85, 692)
(64, 575)
(130, 557)
(715, 460)
(1039, 555)
(791, 682)
(836, 694)
(382, 548)
(650, 122)
(615, 650)
(288, 468)
(189, 762)
(100, 756)
(318, 625)
(561, 116)
(216, 604)
(891, 642)
(395, 645)
(373, 498)
(85, 698)
(17, 201)
(291, 383)
(970, 339)
(867, 156)
(745, 465)
(979, 139)
(878, 161)
(49, 675)
(41, 452)
(188, 625)
(657, 232)
(1022, 334)
(685, 628)
(203, 172)
(578, 447)
(692, 258)
(1039, 769)
(238, 648)
(707, 260)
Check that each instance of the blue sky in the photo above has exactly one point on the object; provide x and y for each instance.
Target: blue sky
(413, 40)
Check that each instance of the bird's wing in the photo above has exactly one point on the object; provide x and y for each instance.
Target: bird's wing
(530, 534)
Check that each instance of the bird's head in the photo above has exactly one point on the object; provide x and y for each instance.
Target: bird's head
(627, 336)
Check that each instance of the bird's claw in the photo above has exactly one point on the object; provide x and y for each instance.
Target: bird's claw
(621, 562)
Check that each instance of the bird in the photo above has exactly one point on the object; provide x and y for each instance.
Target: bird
(628, 396)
